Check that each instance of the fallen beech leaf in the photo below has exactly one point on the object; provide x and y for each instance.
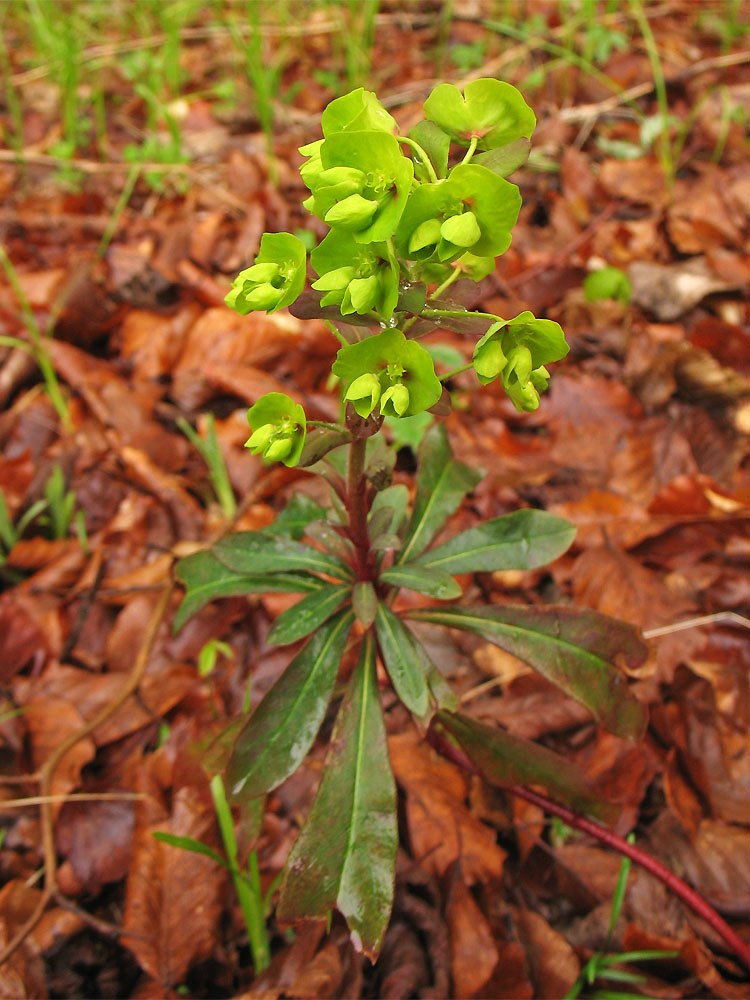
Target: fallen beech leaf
(21, 634)
(173, 898)
(50, 721)
(97, 839)
(670, 290)
(553, 963)
(441, 828)
(473, 951)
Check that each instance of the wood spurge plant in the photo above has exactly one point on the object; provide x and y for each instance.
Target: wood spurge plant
(413, 220)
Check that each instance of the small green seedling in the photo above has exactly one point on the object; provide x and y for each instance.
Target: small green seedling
(55, 512)
(607, 283)
(212, 456)
(415, 220)
(602, 966)
(246, 881)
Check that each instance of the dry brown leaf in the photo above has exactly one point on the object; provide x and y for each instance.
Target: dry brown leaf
(553, 963)
(441, 828)
(174, 897)
(97, 840)
(473, 952)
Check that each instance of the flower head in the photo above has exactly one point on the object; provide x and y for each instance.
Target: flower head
(275, 279)
(279, 427)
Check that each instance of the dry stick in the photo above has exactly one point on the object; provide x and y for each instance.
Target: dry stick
(586, 111)
(47, 770)
(688, 895)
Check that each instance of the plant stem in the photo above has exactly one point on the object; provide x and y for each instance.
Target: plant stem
(454, 276)
(422, 156)
(356, 486)
(681, 889)
(456, 371)
(470, 151)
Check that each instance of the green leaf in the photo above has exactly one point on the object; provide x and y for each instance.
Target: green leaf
(307, 615)
(433, 582)
(254, 552)
(505, 159)
(524, 539)
(345, 855)
(492, 111)
(205, 578)
(388, 509)
(358, 111)
(607, 283)
(504, 759)
(275, 739)
(319, 441)
(191, 844)
(436, 143)
(442, 483)
(404, 666)
(295, 517)
(573, 649)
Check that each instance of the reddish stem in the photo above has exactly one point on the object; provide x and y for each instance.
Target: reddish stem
(689, 896)
(356, 506)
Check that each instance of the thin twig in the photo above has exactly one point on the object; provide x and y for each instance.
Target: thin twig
(48, 769)
(681, 889)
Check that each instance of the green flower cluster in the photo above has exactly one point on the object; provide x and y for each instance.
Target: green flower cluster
(279, 427)
(403, 216)
(516, 350)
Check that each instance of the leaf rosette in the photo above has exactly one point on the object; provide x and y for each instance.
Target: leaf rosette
(357, 277)
(388, 371)
(489, 110)
(472, 210)
(279, 427)
(275, 279)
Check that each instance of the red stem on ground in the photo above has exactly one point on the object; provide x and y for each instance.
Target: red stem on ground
(681, 889)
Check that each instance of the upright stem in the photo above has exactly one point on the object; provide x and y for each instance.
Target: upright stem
(356, 486)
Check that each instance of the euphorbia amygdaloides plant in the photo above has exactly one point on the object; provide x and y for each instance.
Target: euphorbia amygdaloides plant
(411, 218)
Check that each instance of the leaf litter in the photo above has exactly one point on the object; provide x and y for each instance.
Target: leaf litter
(643, 443)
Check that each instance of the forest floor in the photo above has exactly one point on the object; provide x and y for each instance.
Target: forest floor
(122, 247)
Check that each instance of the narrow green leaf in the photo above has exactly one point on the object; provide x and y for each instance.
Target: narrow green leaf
(572, 649)
(524, 539)
(205, 578)
(296, 516)
(254, 552)
(504, 759)
(277, 736)
(307, 615)
(442, 483)
(191, 844)
(505, 159)
(433, 582)
(345, 855)
(402, 662)
(364, 602)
